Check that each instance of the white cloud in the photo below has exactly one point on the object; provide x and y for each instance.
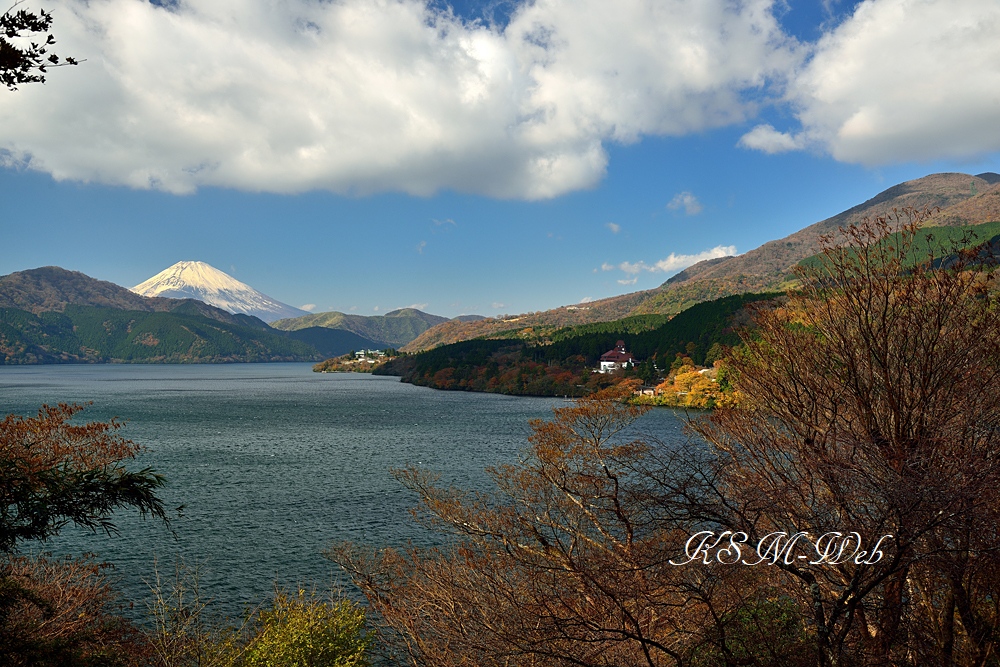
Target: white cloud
(417, 306)
(670, 264)
(767, 139)
(497, 304)
(687, 201)
(632, 269)
(614, 227)
(362, 96)
(421, 246)
(446, 221)
(376, 308)
(586, 299)
(674, 262)
(899, 80)
(308, 307)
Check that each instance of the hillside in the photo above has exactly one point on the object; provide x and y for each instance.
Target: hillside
(963, 199)
(331, 342)
(394, 329)
(51, 315)
(768, 265)
(564, 365)
(940, 242)
(97, 334)
(605, 310)
(984, 207)
(52, 289)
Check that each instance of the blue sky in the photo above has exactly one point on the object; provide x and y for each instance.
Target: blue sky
(500, 158)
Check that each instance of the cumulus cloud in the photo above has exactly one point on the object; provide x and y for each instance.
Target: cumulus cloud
(308, 307)
(362, 96)
(417, 306)
(687, 201)
(670, 264)
(899, 80)
(767, 139)
(586, 299)
(614, 227)
(497, 304)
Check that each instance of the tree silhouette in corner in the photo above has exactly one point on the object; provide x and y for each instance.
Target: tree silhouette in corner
(24, 52)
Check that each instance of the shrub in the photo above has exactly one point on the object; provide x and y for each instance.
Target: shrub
(306, 630)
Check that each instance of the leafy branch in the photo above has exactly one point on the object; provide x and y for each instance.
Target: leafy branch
(27, 63)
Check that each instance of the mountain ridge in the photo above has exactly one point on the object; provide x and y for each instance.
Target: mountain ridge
(53, 288)
(961, 198)
(394, 329)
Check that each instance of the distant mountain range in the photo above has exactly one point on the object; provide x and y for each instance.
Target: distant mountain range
(51, 315)
(198, 280)
(52, 289)
(54, 315)
(963, 199)
(394, 329)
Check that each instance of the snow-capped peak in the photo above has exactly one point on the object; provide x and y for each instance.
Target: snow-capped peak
(198, 280)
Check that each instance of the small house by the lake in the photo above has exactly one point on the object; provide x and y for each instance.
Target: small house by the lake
(616, 359)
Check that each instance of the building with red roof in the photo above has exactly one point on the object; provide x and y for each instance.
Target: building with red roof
(616, 359)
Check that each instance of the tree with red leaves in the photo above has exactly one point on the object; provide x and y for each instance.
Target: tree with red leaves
(52, 473)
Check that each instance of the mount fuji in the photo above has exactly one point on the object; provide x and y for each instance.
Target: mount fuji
(198, 280)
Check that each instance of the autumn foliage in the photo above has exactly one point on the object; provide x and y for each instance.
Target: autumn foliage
(870, 402)
(54, 472)
(867, 403)
(568, 563)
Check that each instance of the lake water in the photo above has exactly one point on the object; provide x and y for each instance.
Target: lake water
(273, 462)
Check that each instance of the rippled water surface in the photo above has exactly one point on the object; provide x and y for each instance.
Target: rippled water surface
(273, 462)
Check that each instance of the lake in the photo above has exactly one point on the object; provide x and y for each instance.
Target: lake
(273, 462)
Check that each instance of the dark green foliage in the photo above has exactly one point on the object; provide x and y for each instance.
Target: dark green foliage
(941, 242)
(764, 632)
(564, 367)
(396, 328)
(691, 332)
(94, 334)
(332, 342)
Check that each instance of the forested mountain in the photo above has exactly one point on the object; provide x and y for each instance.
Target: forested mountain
(51, 315)
(394, 329)
(564, 364)
(51, 289)
(963, 199)
(98, 334)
